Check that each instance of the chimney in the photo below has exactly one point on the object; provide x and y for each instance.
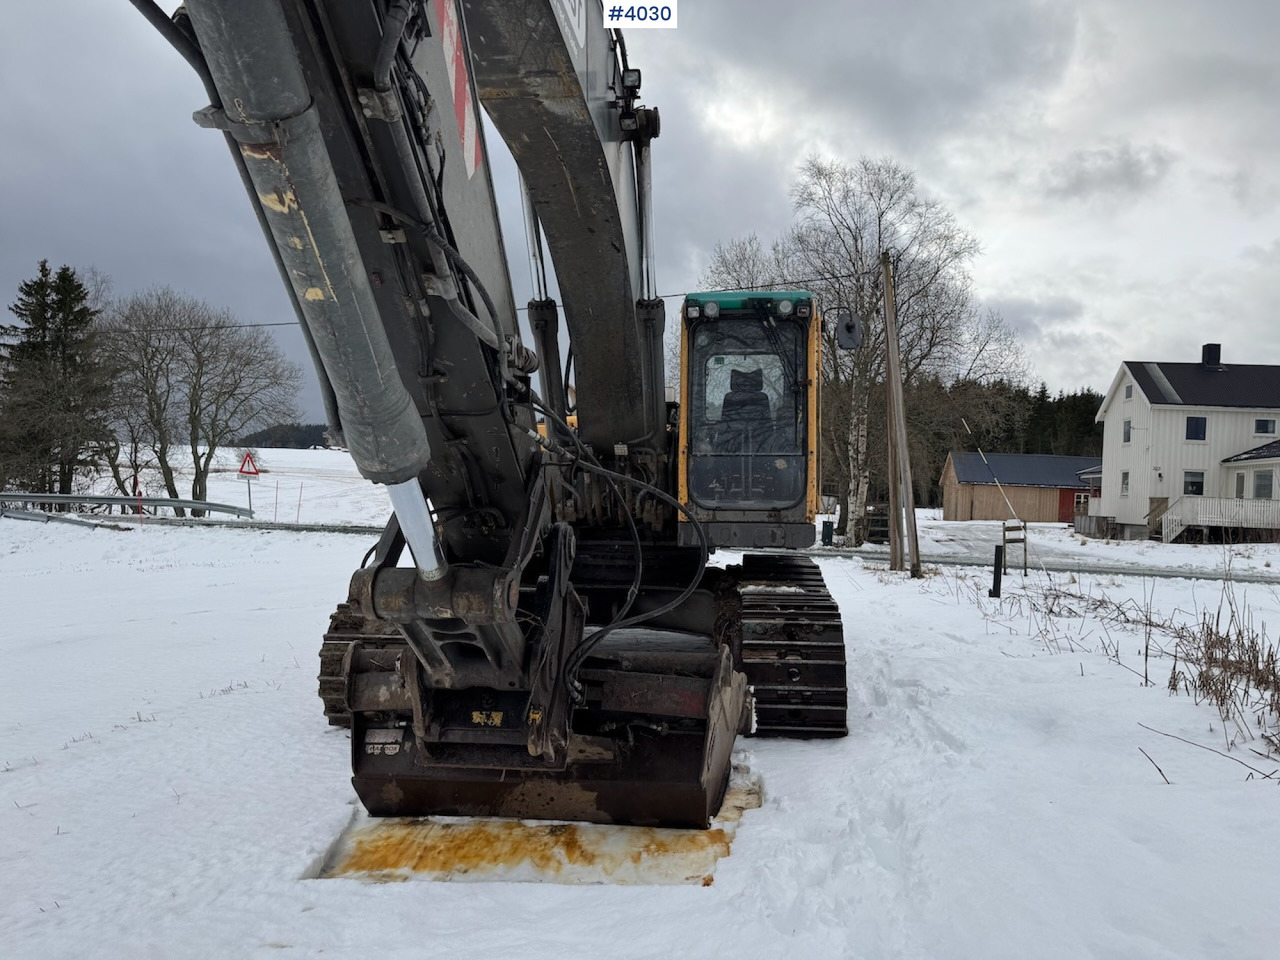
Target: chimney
(1211, 356)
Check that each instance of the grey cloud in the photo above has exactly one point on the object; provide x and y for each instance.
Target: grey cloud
(1255, 187)
(1112, 171)
(906, 77)
(1033, 318)
(101, 164)
(1081, 358)
(110, 171)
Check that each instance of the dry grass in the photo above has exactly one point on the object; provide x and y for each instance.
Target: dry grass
(1220, 655)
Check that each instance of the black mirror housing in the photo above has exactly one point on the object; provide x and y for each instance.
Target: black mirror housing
(848, 328)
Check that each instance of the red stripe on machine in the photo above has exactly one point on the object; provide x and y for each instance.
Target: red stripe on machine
(459, 85)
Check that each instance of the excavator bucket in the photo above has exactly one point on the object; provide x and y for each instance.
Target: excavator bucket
(466, 849)
(651, 748)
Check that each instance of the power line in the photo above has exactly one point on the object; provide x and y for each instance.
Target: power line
(789, 284)
(207, 326)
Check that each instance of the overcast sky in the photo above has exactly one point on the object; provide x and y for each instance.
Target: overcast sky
(1119, 161)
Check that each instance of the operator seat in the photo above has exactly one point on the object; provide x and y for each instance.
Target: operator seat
(746, 399)
(746, 423)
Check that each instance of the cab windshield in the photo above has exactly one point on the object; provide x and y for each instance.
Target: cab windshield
(747, 423)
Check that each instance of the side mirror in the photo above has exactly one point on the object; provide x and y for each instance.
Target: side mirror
(848, 329)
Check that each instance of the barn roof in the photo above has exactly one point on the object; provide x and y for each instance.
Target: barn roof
(1023, 469)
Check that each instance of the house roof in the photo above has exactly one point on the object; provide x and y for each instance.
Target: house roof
(1268, 451)
(1203, 385)
(1023, 469)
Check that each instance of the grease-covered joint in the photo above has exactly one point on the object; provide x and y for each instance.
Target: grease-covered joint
(475, 595)
(523, 360)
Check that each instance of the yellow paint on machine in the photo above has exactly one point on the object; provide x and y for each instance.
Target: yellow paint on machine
(281, 201)
(313, 293)
(488, 849)
(814, 413)
(682, 468)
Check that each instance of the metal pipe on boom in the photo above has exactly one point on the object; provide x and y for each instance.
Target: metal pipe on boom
(255, 68)
(180, 40)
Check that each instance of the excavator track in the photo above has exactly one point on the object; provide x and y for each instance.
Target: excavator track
(792, 648)
(346, 625)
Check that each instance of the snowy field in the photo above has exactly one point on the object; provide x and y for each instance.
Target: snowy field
(293, 486)
(167, 779)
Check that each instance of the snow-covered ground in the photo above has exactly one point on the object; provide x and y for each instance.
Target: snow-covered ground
(323, 487)
(1058, 543)
(167, 778)
(293, 486)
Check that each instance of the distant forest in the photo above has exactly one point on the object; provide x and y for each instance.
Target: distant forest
(1042, 423)
(299, 436)
(997, 417)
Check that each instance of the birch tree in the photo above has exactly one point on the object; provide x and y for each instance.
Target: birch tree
(191, 380)
(845, 216)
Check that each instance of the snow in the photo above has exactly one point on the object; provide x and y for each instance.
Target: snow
(1056, 544)
(293, 486)
(167, 778)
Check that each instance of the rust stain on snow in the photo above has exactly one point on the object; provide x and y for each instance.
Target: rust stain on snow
(448, 848)
(458, 849)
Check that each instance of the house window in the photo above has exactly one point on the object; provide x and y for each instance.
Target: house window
(1124, 483)
(1082, 501)
(1264, 426)
(1262, 485)
(1195, 428)
(1193, 483)
(1128, 391)
(1239, 486)
(1127, 429)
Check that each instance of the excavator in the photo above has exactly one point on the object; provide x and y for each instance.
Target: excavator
(537, 634)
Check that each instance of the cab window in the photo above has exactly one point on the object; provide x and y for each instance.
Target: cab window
(747, 416)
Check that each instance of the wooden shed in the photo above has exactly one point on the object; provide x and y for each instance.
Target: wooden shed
(1039, 487)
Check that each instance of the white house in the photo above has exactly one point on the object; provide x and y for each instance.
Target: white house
(1189, 445)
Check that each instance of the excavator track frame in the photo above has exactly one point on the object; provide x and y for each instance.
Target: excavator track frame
(777, 615)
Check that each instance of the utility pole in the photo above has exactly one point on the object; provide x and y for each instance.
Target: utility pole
(899, 457)
(895, 499)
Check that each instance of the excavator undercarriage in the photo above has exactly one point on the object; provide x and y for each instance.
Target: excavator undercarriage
(650, 743)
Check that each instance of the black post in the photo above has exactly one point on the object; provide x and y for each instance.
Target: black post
(995, 573)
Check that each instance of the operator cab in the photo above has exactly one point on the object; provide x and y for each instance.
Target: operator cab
(748, 457)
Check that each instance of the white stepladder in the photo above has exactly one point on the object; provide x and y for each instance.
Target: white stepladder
(1015, 531)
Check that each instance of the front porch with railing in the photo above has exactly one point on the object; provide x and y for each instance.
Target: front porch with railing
(1190, 512)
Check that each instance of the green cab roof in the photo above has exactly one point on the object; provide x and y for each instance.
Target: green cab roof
(739, 298)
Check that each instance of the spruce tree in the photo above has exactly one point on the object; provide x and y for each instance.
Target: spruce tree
(53, 388)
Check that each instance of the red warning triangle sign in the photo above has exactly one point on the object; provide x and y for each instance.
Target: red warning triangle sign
(247, 467)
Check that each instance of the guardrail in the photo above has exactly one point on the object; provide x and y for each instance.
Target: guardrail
(127, 505)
